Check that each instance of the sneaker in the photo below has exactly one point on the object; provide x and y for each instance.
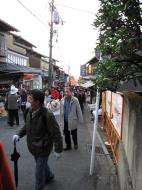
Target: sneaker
(49, 179)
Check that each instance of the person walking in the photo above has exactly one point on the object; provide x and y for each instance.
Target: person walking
(81, 99)
(12, 104)
(42, 132)
(71, 115)
(47, 96)
(23, 101)
(54, 93)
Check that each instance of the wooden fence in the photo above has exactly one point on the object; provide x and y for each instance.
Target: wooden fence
(112, 118)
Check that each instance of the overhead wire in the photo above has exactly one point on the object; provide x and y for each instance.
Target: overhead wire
(75, 9)
(34, 15)
(41, 21)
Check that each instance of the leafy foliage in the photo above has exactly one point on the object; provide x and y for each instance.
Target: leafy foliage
(120, 41)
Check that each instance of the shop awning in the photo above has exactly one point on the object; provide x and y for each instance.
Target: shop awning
(13, 68)
(87, 84)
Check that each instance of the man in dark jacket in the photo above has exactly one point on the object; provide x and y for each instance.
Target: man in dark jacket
(81, 99)
(42, 131)
(12, 101)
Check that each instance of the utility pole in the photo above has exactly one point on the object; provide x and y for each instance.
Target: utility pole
(51, 45)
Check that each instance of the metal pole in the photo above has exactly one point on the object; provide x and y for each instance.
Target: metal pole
(92, 164)
(51, 45)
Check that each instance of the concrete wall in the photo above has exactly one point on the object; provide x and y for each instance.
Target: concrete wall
(130, 157)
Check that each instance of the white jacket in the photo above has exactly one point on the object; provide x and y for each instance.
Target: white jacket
(75, 115)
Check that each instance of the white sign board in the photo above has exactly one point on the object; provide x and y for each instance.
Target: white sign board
(108, 102)
(117, 106)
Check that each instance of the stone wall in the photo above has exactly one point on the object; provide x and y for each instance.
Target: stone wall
(130, 157)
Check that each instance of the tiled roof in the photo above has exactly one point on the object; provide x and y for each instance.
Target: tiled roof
(4, 26)
(13, 68)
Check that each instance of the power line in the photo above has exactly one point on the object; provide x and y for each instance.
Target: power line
(76, 9)
(32, 14)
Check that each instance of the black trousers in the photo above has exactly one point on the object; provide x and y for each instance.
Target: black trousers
(13, 115)
(68, 135)
(23, 108)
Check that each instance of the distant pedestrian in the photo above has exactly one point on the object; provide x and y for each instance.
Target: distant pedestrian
(12, 104)
(54, 93)
(81, 99)
(42, 131)
(71, 115)
(23, 101)
(47, 96)
(28, 105)
(61, 95)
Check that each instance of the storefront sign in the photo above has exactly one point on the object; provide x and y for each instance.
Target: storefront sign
(27, 76)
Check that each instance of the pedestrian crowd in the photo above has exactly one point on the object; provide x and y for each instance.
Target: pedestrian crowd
(17, 99)
(44, 133)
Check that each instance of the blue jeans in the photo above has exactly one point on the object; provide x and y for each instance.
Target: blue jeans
(42, 172)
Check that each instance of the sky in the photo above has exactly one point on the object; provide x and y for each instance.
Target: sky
(73, 46)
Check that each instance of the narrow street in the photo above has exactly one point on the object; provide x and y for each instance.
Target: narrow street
(71, 171)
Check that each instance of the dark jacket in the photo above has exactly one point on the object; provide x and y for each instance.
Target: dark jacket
(12, 100)
(42, 131)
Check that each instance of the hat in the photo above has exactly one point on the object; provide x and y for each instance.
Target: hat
(13, 90)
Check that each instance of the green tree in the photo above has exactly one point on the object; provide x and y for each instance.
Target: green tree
(120, 42)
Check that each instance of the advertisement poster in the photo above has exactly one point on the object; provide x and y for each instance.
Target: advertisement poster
(108, 103)
(117, 106)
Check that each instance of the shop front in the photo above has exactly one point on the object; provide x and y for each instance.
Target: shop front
(6, 80)
(17, 75)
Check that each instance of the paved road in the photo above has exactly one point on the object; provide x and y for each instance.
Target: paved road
(71, 171)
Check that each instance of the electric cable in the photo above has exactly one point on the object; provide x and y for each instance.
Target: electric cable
(75, 9)
(34, 15)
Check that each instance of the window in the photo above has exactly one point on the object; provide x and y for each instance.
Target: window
(16, 58)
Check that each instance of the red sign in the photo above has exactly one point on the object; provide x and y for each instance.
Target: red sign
(27, 76)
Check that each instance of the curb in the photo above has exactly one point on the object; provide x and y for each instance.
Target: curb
(104, 148)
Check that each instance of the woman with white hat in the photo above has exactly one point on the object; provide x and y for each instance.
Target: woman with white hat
(13, 106)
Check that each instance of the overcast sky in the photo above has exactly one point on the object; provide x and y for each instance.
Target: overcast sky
(76, 39)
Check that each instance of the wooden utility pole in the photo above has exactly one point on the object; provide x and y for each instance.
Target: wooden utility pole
(51, 45)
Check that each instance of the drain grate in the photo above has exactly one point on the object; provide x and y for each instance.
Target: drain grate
(98, 149)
